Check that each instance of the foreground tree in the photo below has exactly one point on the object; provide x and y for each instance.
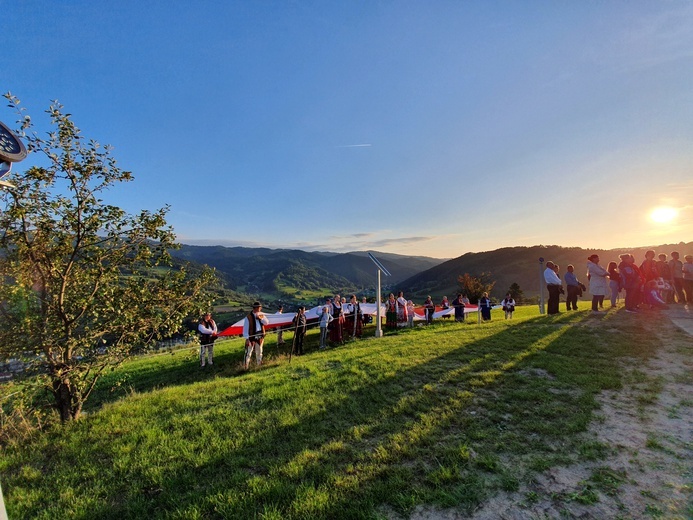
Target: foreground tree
(85, 282)
(475, 286)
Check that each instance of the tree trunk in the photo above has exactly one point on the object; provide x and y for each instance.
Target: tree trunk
(64, 399)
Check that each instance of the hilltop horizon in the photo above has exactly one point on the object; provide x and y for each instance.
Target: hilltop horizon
(380, 251)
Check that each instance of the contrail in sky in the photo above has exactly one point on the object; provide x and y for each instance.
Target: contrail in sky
(353, 145)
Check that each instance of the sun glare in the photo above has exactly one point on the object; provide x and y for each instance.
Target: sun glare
(663, 214)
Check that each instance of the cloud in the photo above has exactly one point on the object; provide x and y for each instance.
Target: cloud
(378, 241)
(224, 242)
(353, 235)
(344, 246)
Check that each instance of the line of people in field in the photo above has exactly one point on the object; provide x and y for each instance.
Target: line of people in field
(655, 283)
(341, 320)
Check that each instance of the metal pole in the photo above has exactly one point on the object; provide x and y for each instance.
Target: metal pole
(3, 512)
(381, 267)
(12, 151)
(378, 328)
(541, 286)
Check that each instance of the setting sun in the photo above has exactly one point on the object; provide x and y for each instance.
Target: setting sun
(663, 214)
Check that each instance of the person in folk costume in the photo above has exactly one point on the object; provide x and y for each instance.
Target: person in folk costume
(346, 330)
(254, 334)
(349, 314)
(401, 310)
(354, 320)
(207, 328)
(391, 312)
(429, 309)
(300, 325)
(485, 306)
(458, 305)
(508, 304)
(336, 332)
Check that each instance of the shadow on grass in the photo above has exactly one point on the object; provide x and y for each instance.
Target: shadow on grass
(182, 367)
(362, 450)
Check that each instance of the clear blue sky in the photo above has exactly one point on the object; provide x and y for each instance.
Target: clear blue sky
(429, 128)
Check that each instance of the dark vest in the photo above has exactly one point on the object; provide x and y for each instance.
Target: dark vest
(207, 339)
(253, 323)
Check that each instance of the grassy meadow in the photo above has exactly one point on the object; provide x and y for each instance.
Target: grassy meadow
(446, 415)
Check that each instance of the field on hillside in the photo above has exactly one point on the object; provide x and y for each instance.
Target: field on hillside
(447, 421)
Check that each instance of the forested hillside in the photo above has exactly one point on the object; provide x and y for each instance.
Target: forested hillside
(262, 270)
(294, 272)
(518, 265)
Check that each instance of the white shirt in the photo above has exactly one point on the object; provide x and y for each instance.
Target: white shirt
(551, 277)
(205, 330)
(246, 327)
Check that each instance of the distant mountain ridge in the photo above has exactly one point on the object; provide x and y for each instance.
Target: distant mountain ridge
(254, 270)
(266, 270)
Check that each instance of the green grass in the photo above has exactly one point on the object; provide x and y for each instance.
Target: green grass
(445, 415)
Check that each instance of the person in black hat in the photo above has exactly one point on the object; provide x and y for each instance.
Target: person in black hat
(208, 335)
(254, 334)
(300, 326)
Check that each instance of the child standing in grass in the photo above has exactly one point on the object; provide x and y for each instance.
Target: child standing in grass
(429, 308)
(614, 282)
(508, 306)
(410, 313)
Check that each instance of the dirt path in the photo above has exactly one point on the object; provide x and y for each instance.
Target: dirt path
(649, 472)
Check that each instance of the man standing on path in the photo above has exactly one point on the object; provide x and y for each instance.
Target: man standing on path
(254, 334)
(553, 283)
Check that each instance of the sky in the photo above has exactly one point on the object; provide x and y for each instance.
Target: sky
(431, 128)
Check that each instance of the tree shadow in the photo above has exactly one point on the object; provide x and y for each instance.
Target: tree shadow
(413, 407)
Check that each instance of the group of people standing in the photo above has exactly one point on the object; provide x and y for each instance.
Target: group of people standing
(340, 320)
(656, 283)
(400, 312)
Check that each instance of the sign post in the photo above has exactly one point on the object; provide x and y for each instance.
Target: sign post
(12, 150)
(541, 285)
(378, 324)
